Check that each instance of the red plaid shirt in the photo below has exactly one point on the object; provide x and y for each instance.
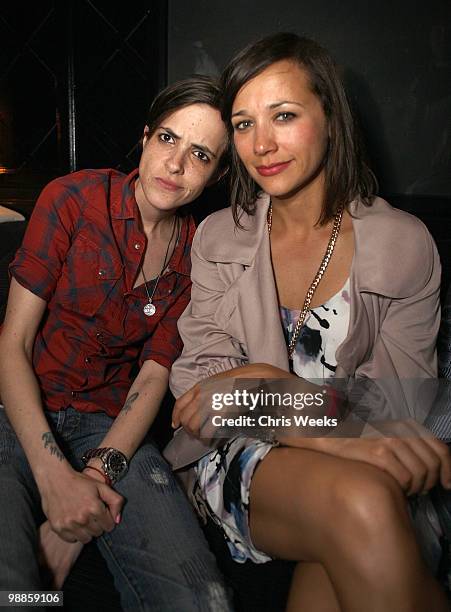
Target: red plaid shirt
(81, 253)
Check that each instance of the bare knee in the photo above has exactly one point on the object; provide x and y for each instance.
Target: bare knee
(357, 507)
(354, 494)
(368, 511)
(368, 496)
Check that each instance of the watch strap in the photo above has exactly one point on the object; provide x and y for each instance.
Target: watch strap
(92, 453)
(103, 453)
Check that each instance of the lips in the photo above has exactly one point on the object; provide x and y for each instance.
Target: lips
(273, 169)
(167, 185)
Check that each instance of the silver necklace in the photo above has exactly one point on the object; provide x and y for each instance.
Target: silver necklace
(318, 276)
(150, 309)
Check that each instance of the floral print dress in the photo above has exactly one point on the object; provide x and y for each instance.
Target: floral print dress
(221, 489)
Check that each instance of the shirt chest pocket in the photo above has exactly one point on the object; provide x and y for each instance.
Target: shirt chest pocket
(88, 277)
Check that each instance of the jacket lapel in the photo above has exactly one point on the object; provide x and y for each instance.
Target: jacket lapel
(255, 290)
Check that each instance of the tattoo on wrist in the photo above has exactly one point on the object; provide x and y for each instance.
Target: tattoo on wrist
(128, 404)
(50, 443)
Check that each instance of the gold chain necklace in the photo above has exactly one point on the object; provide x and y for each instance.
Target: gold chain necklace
(318, 276)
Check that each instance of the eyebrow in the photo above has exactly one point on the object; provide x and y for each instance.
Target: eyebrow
(203, 148)
(271, 107)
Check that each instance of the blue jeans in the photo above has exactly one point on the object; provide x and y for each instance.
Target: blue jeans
(157, 554)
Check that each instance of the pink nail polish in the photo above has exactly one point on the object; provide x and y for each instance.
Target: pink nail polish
(117, 520)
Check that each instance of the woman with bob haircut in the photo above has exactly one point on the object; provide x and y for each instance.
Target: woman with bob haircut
(89, 338)
(309, 274)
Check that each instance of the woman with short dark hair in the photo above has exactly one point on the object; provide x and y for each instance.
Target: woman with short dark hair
(89, 338)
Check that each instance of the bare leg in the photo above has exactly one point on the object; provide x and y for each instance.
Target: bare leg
(311, 590)
(352, 519)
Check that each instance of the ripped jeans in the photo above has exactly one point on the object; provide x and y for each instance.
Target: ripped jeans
(157, 554)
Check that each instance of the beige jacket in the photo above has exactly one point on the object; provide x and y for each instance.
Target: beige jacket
(233, 317)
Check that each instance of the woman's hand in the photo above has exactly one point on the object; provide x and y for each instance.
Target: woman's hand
(187, 408)
(56, 556)
(415, 458)
(80, 506)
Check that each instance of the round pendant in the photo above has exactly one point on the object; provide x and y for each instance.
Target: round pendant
(149, 309)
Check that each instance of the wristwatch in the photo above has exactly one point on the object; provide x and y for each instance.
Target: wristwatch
(114, 463)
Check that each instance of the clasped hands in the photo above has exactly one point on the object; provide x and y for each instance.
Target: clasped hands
(79, 507)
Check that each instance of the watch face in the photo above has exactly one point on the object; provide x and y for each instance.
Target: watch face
(117, 463)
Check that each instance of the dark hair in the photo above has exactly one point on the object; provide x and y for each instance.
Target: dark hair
(198, 89)
(347, 175)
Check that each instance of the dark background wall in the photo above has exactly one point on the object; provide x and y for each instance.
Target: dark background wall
(396, 62)
(395, 56)
(76, 80)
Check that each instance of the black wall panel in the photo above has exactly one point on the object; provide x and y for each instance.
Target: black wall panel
(76, 80)
(396, 61)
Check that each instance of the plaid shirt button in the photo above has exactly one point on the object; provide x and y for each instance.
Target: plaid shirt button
(137, 246)
(101, 272)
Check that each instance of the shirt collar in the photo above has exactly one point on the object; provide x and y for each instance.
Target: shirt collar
(123, 202)
(181, 258)
(124, 206)
(244, 240)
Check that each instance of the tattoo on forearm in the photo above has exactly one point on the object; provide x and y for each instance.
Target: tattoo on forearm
(128, 404)
(50, 443)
